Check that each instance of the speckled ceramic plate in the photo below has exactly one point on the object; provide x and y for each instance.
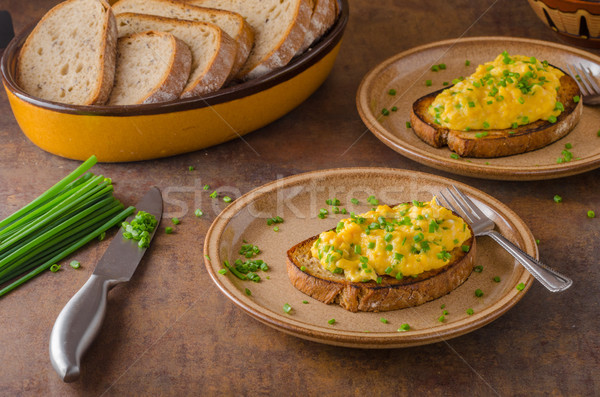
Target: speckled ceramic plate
(407, 73)
(298, 199)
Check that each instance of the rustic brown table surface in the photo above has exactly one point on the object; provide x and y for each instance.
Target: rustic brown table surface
(171, 331)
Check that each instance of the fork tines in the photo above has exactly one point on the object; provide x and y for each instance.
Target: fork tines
(585, 80)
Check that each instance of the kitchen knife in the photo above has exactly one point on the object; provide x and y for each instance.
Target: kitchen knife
(80, 320)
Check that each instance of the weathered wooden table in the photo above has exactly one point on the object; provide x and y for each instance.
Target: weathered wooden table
(170, 331)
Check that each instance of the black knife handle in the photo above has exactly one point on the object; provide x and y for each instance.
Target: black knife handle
(7, 31)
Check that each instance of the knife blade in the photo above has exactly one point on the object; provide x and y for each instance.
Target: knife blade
(81, 319)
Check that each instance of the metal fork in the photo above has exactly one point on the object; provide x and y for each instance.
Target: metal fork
(484, 226)
(587, 84)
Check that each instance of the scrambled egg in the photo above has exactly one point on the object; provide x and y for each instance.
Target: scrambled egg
(505, 93)
(405, 240)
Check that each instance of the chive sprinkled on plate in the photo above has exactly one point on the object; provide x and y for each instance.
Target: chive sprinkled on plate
(175, 221)
(222, 271)
(168, 230)
(287, 308)
(557, 198)
(470, 311)
(383, 320)
(478, 293)
(392, 92)
(198, 213)
(408, 125)
(591, 214)
(428, 83)
(248, 292)
(75, 264)
(520, 286)
(54, 268)
(332, 321)
(404, 327)
(478, 269)
(496, 279)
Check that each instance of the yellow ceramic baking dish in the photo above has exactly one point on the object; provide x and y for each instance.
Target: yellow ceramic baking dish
(142, 132)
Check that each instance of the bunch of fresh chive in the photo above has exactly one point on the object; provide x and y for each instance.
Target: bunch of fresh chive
(76, 210)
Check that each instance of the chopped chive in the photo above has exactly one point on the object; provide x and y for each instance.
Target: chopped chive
(379, 280)
(222, 271)
(496, 279)
(467, 62)
(465, 248)
(576, 99)
(371, 245)
(520, 287)
(470, 311)
(557, 199)
(191, 168)
(287, 308)
(175, 221)
(428, 83)
(227, 199)
(248, 292)
(54, 268)
(276, 228)
(404, 327)
(552, 119)
(206, 187)
(478, 293)
(305, 302)
(383, 320)
(75, 264)
(441, 319)
(478, 269)
(408, 125)
(385, 112)
(454, 156)
(213, 194)
(435, 68)
(568, 146)
(392, 91)
(198, 213)
(354, 201)
(442, 66)
(591, 214)
(394, 108)
(303, 268)
(332, 321)
(168, 230)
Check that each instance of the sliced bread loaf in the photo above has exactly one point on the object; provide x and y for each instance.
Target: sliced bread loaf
(213, 51)
(70, 55)
(279, 28)
(323, 16)
(151, 67)
(231, 23)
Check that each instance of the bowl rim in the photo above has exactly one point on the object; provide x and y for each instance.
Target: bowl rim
(296, 66)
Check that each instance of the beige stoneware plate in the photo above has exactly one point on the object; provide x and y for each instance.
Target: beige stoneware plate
(298, 199)
(407, 73)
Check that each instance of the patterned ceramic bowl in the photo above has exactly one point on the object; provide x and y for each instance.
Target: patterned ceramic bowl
(576, 20)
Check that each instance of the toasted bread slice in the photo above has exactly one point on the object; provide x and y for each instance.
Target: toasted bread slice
(232, 23)
(213, 51)
(391, 294)
(279, 29)
(151, 67)
(498, 143)
(56, 64)
(322, 18)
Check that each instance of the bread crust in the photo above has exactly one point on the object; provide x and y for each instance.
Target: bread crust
(101, 91)
(391, 294)
(322, 18)
(499, 143)
(285, 50)
(244, 37)
(218, 68)
(219, 71)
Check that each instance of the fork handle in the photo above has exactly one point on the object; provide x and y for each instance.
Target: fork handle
(549, 278)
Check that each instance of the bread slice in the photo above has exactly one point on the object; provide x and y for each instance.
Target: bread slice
(70, 55)
(279, 29)
(498, 143)
(231, 23)
(323, 16)
(213, 51)
(151, 67)
(391, 294)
